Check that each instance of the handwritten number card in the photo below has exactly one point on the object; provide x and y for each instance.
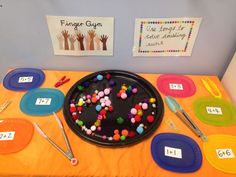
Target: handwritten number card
(165, 36)
(81, 36)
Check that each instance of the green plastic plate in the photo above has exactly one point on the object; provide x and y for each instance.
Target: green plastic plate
(214, 111)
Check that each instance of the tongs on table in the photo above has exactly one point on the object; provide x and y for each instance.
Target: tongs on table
(69, 153)
(179, 111)
(4, 105)
(211, 87)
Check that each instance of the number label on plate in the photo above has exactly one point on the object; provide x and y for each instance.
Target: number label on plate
(25, 79)
(225, 153)
(173, 152)
(214, 110)
(43, 101)
(176, 86)
(5, 136)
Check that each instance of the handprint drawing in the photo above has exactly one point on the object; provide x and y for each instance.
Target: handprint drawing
(72, 40)
(87, 41)
(92, 34)
(66, 36)
(60, 41)
(103, 39)
(98, 42)
(80, 38)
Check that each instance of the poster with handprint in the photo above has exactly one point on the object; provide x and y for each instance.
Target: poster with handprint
(81, 36)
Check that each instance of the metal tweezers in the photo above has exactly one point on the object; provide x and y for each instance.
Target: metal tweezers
(69, 153)
(179, 111)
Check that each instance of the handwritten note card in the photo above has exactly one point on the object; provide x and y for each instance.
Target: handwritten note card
(173, 152)
(6, 136)
(214, 110)
(43, 101)
(165, 36)
(25, 79)
(80, 36)
(225, 153)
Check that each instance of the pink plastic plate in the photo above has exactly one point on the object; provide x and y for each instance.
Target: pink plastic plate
(176, 85)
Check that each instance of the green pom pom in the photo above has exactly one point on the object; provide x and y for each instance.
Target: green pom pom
(120, 120)
(80, 88)
(122, 138)
(80, 123)
(129, 88)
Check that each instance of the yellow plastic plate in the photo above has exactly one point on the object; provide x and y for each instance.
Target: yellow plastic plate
(220, 151)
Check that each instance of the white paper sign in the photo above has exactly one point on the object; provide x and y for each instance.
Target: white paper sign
(225, 153)
(165, 36)
(25, 79)
(43, 101)
(214, 110)
(173, 152)
(80, 36)
(176, 86)
(6, 136)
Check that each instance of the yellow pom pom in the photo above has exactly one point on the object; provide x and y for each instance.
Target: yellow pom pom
(140, 113)
(152, 100)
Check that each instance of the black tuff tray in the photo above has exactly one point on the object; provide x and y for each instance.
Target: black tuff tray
(121, 108)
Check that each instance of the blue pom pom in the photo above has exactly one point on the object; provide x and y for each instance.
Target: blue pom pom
(99, 77)
(98, 108)
(139, 129)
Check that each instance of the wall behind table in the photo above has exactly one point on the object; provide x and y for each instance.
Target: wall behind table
(25, 40)
(229, 79)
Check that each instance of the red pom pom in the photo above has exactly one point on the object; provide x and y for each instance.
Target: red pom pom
(150, 118)
(138, 107)
(118, 95)
(108, 76)
(79, 108)
(110, 108)
(103, 112)
(137, 118)
(131, 134)
(72, 109)
(75, 117)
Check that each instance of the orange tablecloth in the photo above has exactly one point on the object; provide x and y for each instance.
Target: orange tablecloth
(40, 158)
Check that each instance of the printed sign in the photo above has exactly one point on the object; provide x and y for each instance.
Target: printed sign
(214, 110)
(225, 153)
(25, 79)
(5, 136)
(173, 152)
(165, 36)
(43, 101)
(80, 36)
(176, 86)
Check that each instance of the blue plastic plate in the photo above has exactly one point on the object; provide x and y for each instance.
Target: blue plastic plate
(42, 101)
(176, 152)
(21, 79)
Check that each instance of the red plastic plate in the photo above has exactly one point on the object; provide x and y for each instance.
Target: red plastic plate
(176, 85)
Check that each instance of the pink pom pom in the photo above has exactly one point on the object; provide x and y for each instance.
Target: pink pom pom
(101, 93)
(144, 106)
(133, 111)
(107, 91)
(123, 96)
(134, 90)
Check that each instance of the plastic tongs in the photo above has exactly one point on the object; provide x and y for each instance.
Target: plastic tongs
(4, 105)
(69, 153)
(179, 111)
(62, 81)
(211, 87)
